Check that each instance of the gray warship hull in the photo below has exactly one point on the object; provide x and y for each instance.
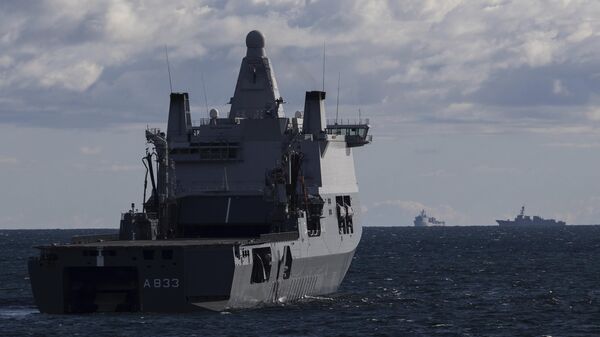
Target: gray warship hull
(186, 275)
(522, 220)
(422, 220)
(421, 223)
(250, 209)
(542, 223)
(426, 224)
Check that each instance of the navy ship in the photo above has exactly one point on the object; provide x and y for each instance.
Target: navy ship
(243, 210)
(523, 220)
(422, 220)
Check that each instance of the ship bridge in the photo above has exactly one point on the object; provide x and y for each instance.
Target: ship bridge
(355, 131)
(254, 171)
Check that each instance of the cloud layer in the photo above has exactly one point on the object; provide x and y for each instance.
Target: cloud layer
(481, 66)
(476, 106)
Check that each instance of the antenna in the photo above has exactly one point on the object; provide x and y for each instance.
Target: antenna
(323, 65)
(169, 68)
(359, 119)
(337, 104)
(204, 89)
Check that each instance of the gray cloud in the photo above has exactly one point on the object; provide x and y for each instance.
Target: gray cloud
(480, 66)
(4, 160)
(491, 98)
(556, 85)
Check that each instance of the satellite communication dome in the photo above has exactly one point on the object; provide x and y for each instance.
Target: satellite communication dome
(255, 39)
(214, 113)
(298, 114)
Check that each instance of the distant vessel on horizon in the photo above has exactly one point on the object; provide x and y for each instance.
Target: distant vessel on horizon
(422, 220)
(523, 220)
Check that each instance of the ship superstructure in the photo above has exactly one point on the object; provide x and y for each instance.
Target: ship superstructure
(249, 208)
(523, 220)
(422, 220)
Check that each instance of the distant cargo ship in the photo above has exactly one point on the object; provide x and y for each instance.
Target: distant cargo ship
(523, 220)
(422, 220)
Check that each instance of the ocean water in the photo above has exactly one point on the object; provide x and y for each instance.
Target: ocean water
(444, 281)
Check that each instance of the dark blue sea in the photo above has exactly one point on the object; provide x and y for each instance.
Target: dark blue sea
(444, 281)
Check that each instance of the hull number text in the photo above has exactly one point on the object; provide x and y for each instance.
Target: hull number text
(161, 283)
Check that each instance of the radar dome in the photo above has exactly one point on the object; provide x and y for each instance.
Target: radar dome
(255, 39)
(214, 113)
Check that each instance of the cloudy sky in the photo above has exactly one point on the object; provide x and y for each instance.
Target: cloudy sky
(477, 107)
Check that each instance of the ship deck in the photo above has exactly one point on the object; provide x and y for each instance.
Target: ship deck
(99, 243)
(147, 243)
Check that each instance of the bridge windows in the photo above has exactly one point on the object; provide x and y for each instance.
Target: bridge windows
(347, 130)
(208, 151)
(356, 134)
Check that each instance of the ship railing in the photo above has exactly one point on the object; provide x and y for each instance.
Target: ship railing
(216, 121)
(346, 122)
(196, 187)
(81, 239)
(154, 131)
(355, 135)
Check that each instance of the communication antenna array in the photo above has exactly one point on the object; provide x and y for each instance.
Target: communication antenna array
(205, 96)
(169, 68)
(337, 104)
(323, 88)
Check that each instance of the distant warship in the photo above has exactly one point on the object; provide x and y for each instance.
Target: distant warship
(244, 210)
(422, 220)
(523, 220)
